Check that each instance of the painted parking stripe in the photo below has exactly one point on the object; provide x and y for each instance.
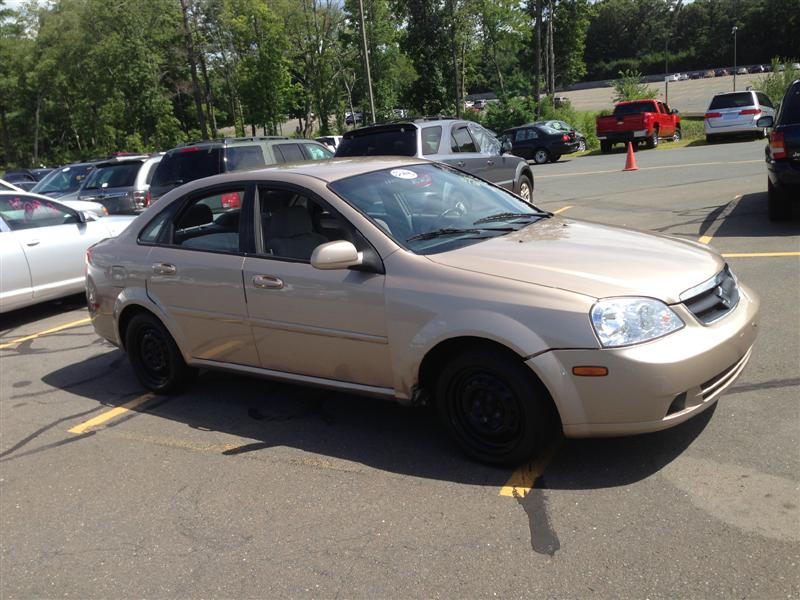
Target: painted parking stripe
(524, 477)
(717, 223)
(562, 209)
(759, 254)
(111, 414)
(33, 336)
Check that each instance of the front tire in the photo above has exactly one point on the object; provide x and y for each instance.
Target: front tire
(494, 407)
(154, 355)
(525, 188)
(541, 156)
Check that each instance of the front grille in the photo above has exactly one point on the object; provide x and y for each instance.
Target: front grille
(713, 299)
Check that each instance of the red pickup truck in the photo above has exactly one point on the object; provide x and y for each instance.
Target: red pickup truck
(638, 121)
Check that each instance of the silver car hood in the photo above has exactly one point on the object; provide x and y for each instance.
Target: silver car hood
(592, 259)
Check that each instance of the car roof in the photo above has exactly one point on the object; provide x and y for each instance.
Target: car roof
(736, 92)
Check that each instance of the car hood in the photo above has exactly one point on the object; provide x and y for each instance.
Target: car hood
(591, 259)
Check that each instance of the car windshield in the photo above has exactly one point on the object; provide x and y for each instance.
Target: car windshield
(634, 108)
(732, 100)
(63, 180)
(430, 208)
(397, 141)
(113, 176)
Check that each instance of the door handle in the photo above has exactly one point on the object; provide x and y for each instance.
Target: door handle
(460, 163)
(490, 163)
(32, 243)
(164, 269)
(267, 282)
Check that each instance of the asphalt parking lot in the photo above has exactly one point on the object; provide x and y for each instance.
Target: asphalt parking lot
(242, 488)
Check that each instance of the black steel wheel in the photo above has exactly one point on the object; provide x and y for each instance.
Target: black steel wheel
(494, 407)
(154, 356)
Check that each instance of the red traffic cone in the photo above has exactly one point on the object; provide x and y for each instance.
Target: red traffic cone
(630, 161)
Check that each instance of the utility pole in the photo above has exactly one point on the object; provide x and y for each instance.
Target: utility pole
(366, 62)
(537, 85)
(733, 31)
(666, 70)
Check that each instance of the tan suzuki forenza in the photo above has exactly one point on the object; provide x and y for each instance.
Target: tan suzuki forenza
(406, 279)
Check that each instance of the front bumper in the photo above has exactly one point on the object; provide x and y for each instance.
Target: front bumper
(655, 385)
(623, 136)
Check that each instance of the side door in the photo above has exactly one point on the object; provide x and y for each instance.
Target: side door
(54, 240)
(195, 271)
(500, 169)
(463, 152)
(524, 142)
(306, 321)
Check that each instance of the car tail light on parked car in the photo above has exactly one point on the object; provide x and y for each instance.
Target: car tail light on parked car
(776, 144)
(139, 198)
(750, 111)
(713, 115)
(190, 149)
(148, 198)
(565, 137)
(230, 200)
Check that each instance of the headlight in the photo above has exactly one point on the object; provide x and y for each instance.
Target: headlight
(624, 321)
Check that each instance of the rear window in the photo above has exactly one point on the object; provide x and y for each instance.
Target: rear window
(113, 176)
(736, 100)
(187, 164)
(634, 108)
(393, 142)
(790, 109)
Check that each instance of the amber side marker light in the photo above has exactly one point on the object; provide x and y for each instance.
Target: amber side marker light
(590, 371)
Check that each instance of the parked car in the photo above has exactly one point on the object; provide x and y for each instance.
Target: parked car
(355, 118)
(638, 121)
(710, 73)
(24, 179)
(783, 155)
(720, 72)
(461, 144)
(796, 66)
(741, 71)
(736, 113)
(567, 128)
(64, 181)
(696, 75)
(409, 280)
(540, 143)
(120, 184)
(42, 247)
(330, 141)
(756, 69)
(203, 159)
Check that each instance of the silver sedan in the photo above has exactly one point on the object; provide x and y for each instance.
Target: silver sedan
(42, 247)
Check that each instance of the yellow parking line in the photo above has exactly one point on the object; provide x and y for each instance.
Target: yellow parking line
(110, 414)
(45, 332)
(759, 254)
(524, 477)
(562, 209)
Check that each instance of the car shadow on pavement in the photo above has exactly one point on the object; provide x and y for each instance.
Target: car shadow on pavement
(749, 218)
(30, 314)
(374, 433)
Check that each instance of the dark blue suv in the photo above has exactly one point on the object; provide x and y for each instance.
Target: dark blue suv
(783, 155)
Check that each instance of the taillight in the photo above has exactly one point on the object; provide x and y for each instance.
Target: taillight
(148, 198)
(713, 115)
(139, 198)
(565, 137)
(230, 200)
(750, 111)
(190, 149)
(776, 144)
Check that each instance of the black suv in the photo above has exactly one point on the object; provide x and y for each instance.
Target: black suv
(204, 159)
(783, 155)
(461, 144)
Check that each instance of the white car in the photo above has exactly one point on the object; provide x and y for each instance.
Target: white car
(43, 244)
(331, 142)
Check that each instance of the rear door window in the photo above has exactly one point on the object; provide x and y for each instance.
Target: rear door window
(523, 135)
(244, 158)
(396, 141)
(461, 141)
(187, 164)
(288, 152)
(737, 100)
(210, 222)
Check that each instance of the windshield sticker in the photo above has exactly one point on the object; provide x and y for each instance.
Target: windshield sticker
(403, 174)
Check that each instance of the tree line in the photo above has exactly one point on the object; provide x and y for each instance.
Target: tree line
(83, 78)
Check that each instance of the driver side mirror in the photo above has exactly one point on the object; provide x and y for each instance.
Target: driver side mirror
(335, 255)
(766, 121)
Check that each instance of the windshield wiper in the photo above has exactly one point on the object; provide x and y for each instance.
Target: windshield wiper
(505, 216)
(429, 235)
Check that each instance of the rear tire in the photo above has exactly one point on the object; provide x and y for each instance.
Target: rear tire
(605, 147)
(541, 156)
(494, 407)
(652, 141)
(154, 355)
(582, 146)
(777, 204)
(676, 137)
